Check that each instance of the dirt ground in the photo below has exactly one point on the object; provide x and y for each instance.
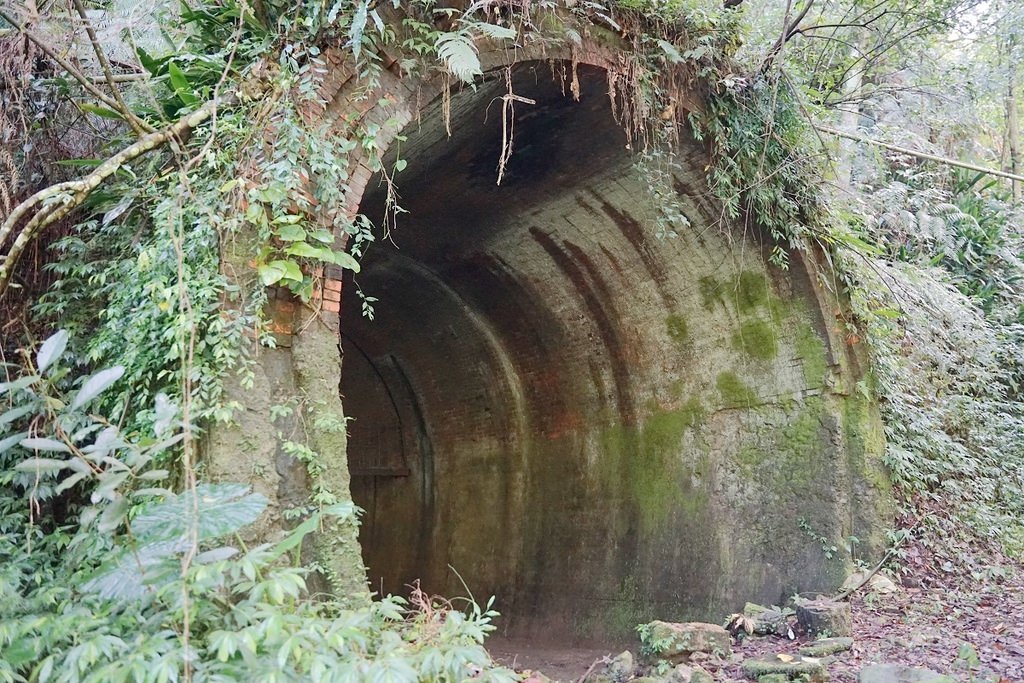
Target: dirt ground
(968, 628)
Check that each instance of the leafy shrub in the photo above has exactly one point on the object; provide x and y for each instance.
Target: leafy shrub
(106, 576)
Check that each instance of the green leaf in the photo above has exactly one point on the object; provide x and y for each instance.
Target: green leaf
(270, 274)
(153, 66)
(345, 260)
(214, 510)
(181, 85)
(305, 250)
(42, 465)
(14, 413)
(96, 385)
(323, 235)
(495, 31)
(100, 111)
(294, 539)
(20, 383)
(51, 350)
(671, 53)
(41, 444)
(71, 481)
(458, 53)
(355, 31)
(291, 233)
(290, 268)
(9, 442)
(400, 165)
(113, 515)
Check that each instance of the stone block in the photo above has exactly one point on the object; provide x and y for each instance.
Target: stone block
(826, 646)
(674, 642)
(811, 670)
(825, 617)
(900, 673)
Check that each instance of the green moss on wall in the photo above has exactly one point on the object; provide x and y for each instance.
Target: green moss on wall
(751, 291)
(677, 329)
(811, 350)
(647, 461)
(735, 392)
(710, 292)
(757, 339)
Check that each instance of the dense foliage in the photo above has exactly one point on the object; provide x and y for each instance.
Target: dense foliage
(116, 563)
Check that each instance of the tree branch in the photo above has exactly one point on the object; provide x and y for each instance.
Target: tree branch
(140, 127)
(53, 203)
(66, 65)
(788, 32)
(920, 155)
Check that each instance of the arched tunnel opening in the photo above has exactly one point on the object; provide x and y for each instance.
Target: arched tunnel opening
(554, 406)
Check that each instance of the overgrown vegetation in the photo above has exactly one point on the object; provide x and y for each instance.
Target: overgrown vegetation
(162, 267)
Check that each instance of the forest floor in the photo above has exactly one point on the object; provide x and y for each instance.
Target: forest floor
(970, 628)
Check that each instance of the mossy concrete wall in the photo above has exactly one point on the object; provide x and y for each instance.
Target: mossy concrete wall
(597, 425)
(554, 405)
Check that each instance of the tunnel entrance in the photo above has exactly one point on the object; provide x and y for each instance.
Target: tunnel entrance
(553, 406)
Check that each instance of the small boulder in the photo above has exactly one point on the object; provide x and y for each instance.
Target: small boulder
(621, 668)
(675, 642)
(878, 583)
(823, 647)
(811, 670)
(683, 673)
(536, 677)
(768, 621)
(825, 616)
(900, 673)
(773, 678)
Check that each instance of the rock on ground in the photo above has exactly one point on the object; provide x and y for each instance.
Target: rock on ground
(674, 642)
(812, 669)
(899, 673)
(825, 617)
(824, 647)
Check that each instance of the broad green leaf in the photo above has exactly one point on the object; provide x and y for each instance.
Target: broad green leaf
(290, 268)
(100, 111)
(165, 412)
(355, 31)
(216, 555)
(96, 385)
(51, 350)
(295, 538)
(43, 444)
(270, 274)
(70, 481)
(323, 235)
(291, 233)
(180, 83)
(20, 383)
(47, 465)
(9, 442)
(305, 250)
(345, 260)
(14, 413)
(671, 53)
(214, 510)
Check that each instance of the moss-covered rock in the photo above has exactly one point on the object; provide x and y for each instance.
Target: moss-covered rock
(826, 646)
(811, 670)
(674, 642)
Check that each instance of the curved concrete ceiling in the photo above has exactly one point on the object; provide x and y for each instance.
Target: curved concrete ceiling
(594, 424)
